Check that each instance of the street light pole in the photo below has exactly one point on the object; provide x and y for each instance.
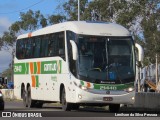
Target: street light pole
(156, 70)
(78, 10)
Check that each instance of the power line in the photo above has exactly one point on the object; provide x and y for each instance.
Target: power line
(22, 9)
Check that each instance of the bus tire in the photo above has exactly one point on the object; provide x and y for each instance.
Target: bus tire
(75, 106)
(24, 97)
(114, 108)
(39, 104)
(65, 105)
(2, 107)
(31, 103)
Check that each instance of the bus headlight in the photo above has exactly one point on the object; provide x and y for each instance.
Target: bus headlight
(129, 89)
(83, 87)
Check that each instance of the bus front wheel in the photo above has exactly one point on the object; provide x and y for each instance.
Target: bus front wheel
(65, 105)
(113, 108)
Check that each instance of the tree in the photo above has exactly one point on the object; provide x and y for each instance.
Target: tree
(7, 73)
(8, 39)
(1, 43)
(71, 9)
(54, 19)
(152, 35)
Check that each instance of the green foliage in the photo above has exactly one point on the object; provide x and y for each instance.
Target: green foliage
(43, 21)
(7, 73)
(8, 38)
(71, 8)
(29, 20)
(1, 43)
(151, 35)
(53, 19)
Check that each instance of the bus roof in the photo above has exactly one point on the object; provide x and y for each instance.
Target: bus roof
(82, 27)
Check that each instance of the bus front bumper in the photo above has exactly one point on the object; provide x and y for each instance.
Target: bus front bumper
(88, 97)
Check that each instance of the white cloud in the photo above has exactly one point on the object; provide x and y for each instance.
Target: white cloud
(4, 24)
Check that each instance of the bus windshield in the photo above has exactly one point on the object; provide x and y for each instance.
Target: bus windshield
(106, 59)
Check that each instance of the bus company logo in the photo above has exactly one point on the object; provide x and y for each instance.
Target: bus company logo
(51, 67)
(20, 114)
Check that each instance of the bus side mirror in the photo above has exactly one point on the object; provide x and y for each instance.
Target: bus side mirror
(140, 53)
(74, 50)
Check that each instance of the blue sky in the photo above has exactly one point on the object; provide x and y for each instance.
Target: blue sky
(9, 13)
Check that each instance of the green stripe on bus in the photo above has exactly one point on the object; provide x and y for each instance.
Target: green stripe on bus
(20, 68)
(47, 67)
(35, 67)
(27, 68)
(37, 81)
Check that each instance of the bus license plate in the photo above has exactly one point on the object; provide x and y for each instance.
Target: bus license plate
(107, 99)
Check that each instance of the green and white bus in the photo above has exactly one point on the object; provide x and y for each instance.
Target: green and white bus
(76, 63)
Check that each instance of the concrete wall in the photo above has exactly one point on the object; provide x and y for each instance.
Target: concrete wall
(8, 93)
(147, 100)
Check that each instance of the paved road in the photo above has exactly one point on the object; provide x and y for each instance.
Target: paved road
(54, 110)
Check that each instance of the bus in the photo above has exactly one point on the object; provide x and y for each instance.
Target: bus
(76, 63)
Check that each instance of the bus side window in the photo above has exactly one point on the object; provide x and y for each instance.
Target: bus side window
(36, 48)
(20, 50)
(29, 48)
(44, 46)
(51, 46)
(61, 44)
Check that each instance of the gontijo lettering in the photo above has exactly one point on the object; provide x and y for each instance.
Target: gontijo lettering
(50, 67)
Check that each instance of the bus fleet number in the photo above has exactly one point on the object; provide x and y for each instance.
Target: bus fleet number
(18, 69)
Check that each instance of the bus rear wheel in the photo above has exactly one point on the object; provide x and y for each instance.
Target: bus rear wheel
(31, 103)
(113, 108)
(65, 105)
(38, 104)
(24, 97)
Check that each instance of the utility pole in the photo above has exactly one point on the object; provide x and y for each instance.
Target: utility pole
(156, 70)
(78, 10)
